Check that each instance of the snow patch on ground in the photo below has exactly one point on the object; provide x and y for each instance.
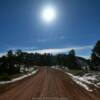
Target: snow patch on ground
(60, 67)
(19, 78)
(92, 78)
(87, 80)
(83, 85)
(80, 81)
(98, 83)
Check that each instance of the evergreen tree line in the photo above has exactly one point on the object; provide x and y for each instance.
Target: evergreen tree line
(12, 62)
(95, 57)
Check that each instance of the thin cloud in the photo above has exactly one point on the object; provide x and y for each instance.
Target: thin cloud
(2, 54)
(42, 40)
(51, 39)
(60, 50)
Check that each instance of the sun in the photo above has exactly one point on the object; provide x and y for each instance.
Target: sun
(48, 14)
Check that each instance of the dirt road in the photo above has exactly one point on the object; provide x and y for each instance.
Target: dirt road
(48, 84)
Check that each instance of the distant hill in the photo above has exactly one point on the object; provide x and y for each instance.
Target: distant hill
(83, 63)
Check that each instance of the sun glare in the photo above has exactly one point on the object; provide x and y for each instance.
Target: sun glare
(48, 14)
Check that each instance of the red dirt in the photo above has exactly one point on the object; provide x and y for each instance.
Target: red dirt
(48, 84)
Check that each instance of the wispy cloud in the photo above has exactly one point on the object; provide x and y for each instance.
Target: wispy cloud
(51, 39)
(61, 50)
(42, 40)
(22, 48)
(2, 54)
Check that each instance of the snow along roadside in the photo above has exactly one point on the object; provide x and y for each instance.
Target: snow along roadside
(19, 78)
(80, 81)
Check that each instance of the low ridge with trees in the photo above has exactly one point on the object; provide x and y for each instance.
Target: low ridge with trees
(12, 62)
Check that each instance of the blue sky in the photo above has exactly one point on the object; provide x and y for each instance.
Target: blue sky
(77, 25)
